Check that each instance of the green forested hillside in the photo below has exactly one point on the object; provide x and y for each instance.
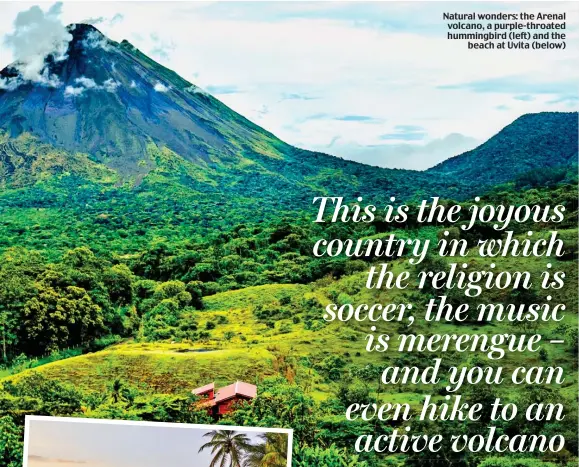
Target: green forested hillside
(228, 306)
(543, 140)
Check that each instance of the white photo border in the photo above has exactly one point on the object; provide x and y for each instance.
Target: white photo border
(30, 418)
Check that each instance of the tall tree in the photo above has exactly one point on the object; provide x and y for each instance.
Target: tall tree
(228, 448)
(58, 318)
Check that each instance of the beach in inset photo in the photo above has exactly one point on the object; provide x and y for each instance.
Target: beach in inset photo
(74, 442)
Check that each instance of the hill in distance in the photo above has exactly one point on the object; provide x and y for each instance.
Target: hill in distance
(533, 141)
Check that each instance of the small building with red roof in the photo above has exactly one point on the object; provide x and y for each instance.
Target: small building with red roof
(221, 401)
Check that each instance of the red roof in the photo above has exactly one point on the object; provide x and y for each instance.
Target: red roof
(239, 388)
(204, 389)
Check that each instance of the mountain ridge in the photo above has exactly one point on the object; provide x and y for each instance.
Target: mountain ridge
(119, 108)
(550, 136)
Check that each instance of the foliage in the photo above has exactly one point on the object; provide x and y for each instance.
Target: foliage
(270, 451)
(11, 446)
(306, 456)
(227, 447)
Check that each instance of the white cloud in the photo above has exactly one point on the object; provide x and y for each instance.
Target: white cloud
(9, 84)
(160, 87)
(196, 90)
(85, 84)
(38, 34)
(74, 91)
(95, 40)
(402, 155)
(110, 85)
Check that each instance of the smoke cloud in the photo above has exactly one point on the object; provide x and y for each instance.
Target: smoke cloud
(85, 84)
(160, 87)
(196, 90)
(38, 34)
(95, 40)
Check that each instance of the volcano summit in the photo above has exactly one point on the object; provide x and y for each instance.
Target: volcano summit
(110, 100)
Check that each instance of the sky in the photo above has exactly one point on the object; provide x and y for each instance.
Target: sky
(375, 82)
(80, 444)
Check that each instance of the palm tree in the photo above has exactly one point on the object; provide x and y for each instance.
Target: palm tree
(228, 447)
(271, 452)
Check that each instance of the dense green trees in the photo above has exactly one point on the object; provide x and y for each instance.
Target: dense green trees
(11, 448)
(55, 319)
(271, 451)
(331, 456)
(46, 307)
(146, 274)
(106, 291)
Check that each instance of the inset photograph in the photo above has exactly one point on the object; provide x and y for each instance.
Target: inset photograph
(79, 442)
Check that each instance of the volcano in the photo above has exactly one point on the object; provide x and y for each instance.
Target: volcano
(109, 100)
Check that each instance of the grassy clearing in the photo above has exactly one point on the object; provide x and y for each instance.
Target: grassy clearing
(163, 368)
